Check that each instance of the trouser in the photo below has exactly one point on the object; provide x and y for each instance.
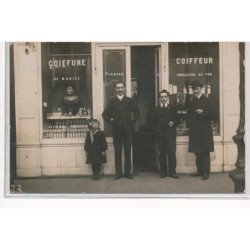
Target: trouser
(203, 163)
(96, 168)
(167, 156)
(122, 136)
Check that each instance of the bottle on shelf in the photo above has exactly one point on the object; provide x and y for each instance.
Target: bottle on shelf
(89, 112)
(184, 90)
(84, 111)
(208, 89)
(178, 99)
(80, 111)
(190, 90)
(213, 127)
(84, 132)
(59, 110)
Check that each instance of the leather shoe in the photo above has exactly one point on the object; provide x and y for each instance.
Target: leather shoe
(205, 177)
(163, 175)
(117, 177)
(129, 176)
(174, 176)
(195, 174)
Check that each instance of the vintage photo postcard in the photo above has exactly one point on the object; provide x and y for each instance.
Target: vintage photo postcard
(125, 119)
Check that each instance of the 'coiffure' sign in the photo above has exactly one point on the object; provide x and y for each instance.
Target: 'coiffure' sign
(69, 67)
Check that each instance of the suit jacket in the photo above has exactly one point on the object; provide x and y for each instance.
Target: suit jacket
(94, 149)
(200, 129)
(160, 120)
(121, 113)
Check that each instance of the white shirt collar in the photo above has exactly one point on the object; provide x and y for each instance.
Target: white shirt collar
(166, 104)
(120, 97)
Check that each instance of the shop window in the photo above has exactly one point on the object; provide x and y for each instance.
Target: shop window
(66, 89)
(188, 62)
(114, 70)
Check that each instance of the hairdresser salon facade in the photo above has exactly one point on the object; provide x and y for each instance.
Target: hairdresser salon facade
(48, 138)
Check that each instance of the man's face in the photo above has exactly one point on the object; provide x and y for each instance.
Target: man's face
(120, 89)
(70, 91)
(197, 91)
(163, 98)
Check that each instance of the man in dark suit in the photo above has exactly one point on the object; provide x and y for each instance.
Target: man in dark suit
(164, 122)
(121, 112)
(200, 114)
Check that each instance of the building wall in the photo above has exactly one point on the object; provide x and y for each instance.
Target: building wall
(27, 94)
(230, 61)
(41, 157)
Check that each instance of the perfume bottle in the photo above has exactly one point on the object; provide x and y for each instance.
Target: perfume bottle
(190, 90)
(84, 111)
(184, 91)
(209, 89)
(89, 112)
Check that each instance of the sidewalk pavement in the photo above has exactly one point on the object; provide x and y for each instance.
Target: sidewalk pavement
(144, 183)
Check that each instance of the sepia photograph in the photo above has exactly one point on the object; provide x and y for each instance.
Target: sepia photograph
(124, 125)
(125, 118)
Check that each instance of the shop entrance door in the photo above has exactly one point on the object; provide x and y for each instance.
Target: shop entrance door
(145, 85)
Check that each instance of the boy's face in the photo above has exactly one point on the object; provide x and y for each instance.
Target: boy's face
(95, 125)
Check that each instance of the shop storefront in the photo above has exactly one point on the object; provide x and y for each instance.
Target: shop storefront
(59, 87)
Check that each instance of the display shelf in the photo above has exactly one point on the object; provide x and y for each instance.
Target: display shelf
(61, 126)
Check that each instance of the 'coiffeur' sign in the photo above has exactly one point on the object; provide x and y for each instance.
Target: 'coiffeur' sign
(193, 61)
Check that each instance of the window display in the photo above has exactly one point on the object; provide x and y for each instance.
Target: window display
(67, 89)
(189, 62)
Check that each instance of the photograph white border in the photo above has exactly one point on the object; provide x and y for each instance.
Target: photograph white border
(111, 195)
(180, 221)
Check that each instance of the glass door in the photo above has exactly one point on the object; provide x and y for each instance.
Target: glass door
(115, 68)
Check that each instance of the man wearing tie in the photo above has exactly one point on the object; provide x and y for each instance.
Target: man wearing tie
(121, 112)
(164, 122)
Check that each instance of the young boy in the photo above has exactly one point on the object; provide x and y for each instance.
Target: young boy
(95, 147)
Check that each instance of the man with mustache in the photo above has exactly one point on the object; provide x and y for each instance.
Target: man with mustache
(121, 112)
(200, 114)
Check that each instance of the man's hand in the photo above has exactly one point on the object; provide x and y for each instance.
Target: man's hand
(103, 153)
(170, 124)
(199, 111)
